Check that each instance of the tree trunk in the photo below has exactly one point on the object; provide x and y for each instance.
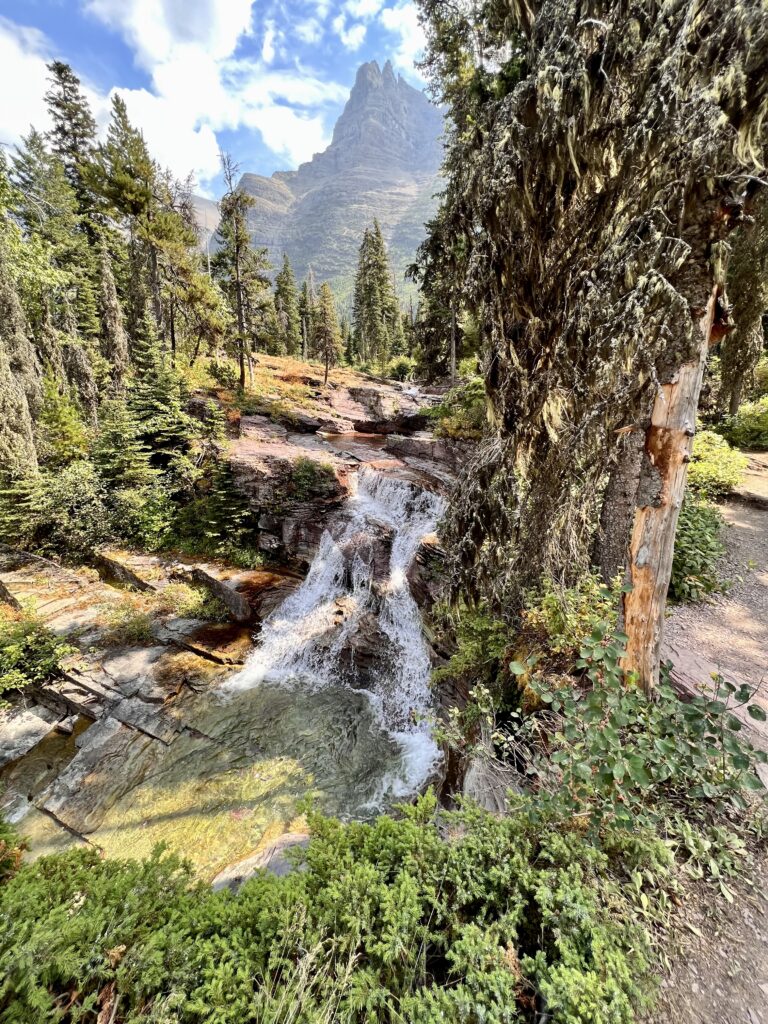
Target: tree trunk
(735, 399)
(172, 326)
(668, 445)
(612, 543)
(453, 347)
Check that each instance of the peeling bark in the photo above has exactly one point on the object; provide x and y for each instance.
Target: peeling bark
(668, 446)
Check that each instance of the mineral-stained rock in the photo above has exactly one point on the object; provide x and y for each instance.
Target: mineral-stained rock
(22, 728)
(112, 759)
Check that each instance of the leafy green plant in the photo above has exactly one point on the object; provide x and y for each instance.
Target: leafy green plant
(388, 922)
(401, 368)
(29, 651)
(225, 374)
(563, 616)
(11, 849)
(697, 550)
(749, 427)
(127, 624)
(631, 757)
(310, 479)
(715, 468)
(64, 512)
(462, 413)
(190, 603)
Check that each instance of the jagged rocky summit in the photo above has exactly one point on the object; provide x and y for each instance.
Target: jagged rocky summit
(383, 162)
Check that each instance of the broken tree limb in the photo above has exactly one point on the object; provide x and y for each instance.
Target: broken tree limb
(668, 446)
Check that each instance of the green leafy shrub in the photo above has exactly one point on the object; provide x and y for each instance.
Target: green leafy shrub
(388, 923)
(622, 754)
(189, 603)
(145, 515)
(310, 479)
(761, 378)
(462, 413)
(29, 651)
(11, 849)
(749, 427)
(715, 468)
(218, 522)
(401, 368)
(697, 550)
(564, 616)
(226, 375)
(481, 642)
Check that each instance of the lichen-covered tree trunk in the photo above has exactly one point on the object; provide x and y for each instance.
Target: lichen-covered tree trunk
(618, 511)
(668, 445)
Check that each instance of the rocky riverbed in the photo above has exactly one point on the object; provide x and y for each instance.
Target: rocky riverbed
(142, 742)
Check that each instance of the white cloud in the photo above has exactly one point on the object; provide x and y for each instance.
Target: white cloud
(268, 46)
(403, 21)
(363, 8)
(155, 28)
(351, 38)
(309, 31)
(199, 87)
(24, 53)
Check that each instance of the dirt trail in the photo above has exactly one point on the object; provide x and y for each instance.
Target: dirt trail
(720, 976)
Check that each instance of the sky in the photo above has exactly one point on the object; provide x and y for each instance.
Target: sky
(263, 80)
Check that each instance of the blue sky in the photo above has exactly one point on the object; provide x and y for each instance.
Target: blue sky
(263, 79)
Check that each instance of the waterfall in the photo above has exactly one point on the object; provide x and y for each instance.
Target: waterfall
(309, 640)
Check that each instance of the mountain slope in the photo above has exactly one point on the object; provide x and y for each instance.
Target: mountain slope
(382, 162)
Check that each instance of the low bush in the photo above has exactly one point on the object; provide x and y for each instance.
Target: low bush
(29, 651)
(562, 617)
(462, 413)
(715, 468)
(311, 479)
(401, 368)
(749, 427)
(226, 375)
(127, 624)
(507, 919)
(698, 548)
(189, 603)
(65, 513)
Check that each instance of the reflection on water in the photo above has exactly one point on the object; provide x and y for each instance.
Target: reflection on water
(220, 795)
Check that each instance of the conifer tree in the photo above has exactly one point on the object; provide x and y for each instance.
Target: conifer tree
(48, 209)
(114, 341)
(327, 334)
(287, 304)
(307, 305)
(61, 433)
(119, 453)
(73, 136)
(240, 268)
(378, 329)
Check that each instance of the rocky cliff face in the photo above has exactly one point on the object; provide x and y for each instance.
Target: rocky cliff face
(383, 162)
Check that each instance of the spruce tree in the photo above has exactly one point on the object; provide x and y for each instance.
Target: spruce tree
(327, 334)
(307, 305)
(60, 431)
(114, 340)
(73, 136)
(48, 210)
(378, 331)
(119, 453)
(287, 303)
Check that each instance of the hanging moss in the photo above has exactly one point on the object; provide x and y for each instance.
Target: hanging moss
(590, 192)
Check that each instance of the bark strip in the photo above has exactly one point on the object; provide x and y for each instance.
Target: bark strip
(668, 445)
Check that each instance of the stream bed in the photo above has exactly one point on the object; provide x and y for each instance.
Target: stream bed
(333, 704)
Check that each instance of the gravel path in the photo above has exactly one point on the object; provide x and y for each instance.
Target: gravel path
(719, 966)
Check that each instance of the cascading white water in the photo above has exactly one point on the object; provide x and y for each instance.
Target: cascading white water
(303, 643)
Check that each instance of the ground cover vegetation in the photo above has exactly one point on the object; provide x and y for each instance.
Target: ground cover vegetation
(565, 149)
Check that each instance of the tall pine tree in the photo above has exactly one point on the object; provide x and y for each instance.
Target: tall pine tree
(287, 305)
